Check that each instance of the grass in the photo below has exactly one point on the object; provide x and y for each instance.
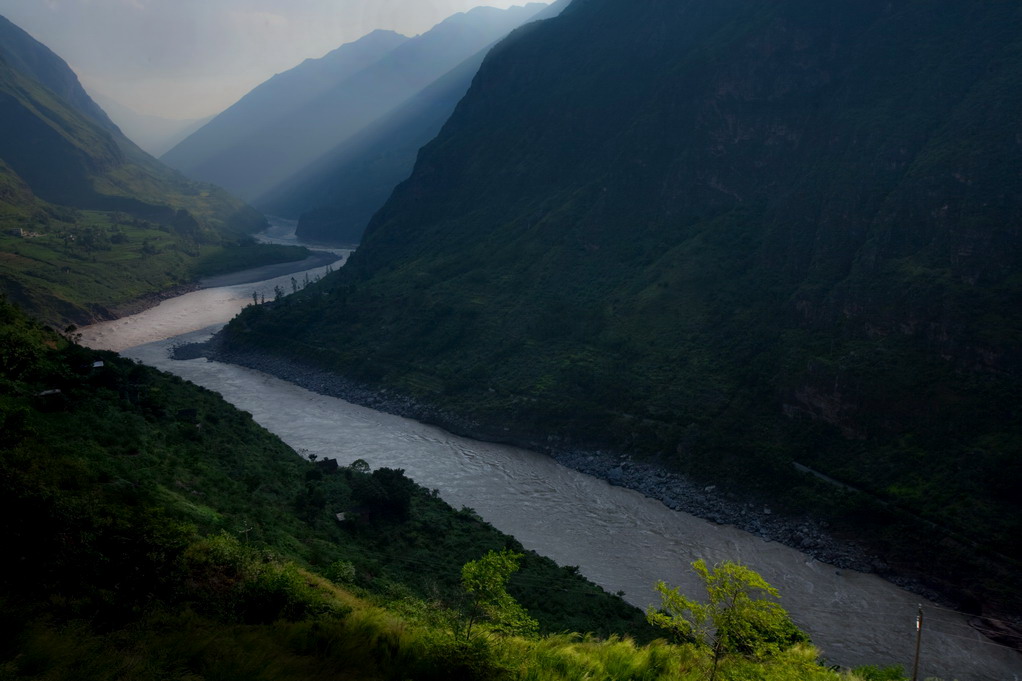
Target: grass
(78, 266)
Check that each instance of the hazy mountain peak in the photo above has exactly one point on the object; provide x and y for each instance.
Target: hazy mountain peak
(289, 121)
(154, 134)
(341, 59)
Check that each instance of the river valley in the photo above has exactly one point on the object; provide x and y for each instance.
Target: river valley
(619, 538)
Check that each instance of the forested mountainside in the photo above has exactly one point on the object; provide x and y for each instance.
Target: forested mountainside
(153, 530)
(731, 237)
(279, 140)
(88, 221)
(335, 197)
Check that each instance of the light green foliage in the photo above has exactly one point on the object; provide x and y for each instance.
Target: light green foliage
(485, 580)
(740, 615)
(341, 572)
(873, 673)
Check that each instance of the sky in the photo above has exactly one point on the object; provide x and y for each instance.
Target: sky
(194, 58)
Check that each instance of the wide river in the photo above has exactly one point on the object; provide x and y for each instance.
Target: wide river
(619, 538)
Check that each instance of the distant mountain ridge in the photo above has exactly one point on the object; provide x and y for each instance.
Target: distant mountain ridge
(273, 147)
(335, 196)
(154, 134)
(272, 102)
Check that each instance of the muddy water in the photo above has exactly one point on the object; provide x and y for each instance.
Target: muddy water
(619, 538)
(198, 309)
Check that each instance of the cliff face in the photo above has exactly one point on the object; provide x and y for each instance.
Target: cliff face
(733, 234)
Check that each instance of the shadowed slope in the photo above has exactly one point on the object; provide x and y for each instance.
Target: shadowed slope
(738, 235)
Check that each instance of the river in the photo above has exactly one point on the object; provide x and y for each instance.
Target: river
(619, 538)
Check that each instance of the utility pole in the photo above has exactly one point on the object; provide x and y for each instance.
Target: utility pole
(919, 641)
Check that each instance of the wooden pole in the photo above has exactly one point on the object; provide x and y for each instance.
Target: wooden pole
(919, 641)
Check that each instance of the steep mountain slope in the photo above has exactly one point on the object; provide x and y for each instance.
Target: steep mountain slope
(335, 197)
(274, 101)
(281, 145)
(49, 115)
(739, 235)
(78, 192)
(26, 55)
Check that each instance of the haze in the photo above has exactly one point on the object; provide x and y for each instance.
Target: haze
(193, 58)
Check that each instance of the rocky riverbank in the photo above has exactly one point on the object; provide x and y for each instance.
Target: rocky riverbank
(675, 491)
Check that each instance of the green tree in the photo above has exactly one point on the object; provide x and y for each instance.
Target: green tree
(485, 581)
(741, 615)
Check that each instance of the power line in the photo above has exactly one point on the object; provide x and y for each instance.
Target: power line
(883, 613)
(974, 640)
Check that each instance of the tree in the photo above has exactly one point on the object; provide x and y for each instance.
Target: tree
(741, 616)
(385, 494)
(485, 581)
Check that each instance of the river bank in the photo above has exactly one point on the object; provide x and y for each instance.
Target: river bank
(142, 303)
(678, 493)
(251, 275)
(808, 536)
(257, 274)
(620, 538)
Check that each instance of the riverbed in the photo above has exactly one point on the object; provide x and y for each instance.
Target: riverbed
(619, 538)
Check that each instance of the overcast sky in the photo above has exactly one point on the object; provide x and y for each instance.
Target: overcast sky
(193, 58)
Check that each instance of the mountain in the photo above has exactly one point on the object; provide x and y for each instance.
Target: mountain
(335, 196)
(88, 221)
(154, 134)
(272, 103)
(267, 148)
(25, 54)
(773, 244)
(49, 116)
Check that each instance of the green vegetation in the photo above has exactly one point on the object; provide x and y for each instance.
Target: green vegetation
(787, 233)
(247, 254)
(739, 616)
(88, 221)
(485, 581)
(60, 262)
(153, 531)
